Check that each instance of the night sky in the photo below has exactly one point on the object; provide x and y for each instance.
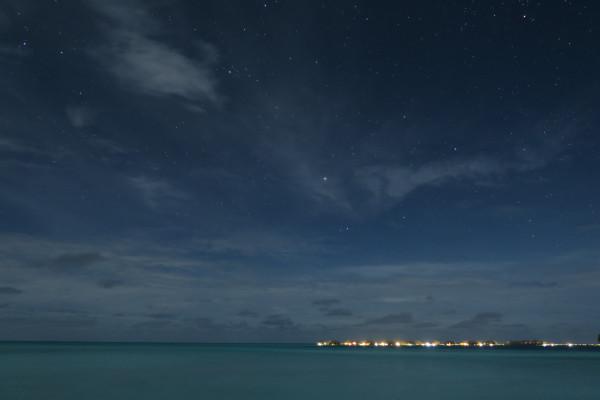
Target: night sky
(297, 170)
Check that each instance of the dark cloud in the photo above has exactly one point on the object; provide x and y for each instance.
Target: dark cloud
(278, 321)
(535, 284)
(9, 290)
(518, 326)
(153, 324)
(204, 323)
(391, 319)
(327, 307)
(222, 328)
(75, 260)
(337, 312)
(326, 302)
(426, 325)
(480, 320)
(162, 316)
(45, 322)
(110, 283)
(248, 314)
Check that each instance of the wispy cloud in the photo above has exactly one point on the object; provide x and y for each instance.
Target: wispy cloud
(26, 155)
(391, 183)
(367, 189)
(9, 290)
(156, 192)
(361, 186)
(135, 54)
(12, 146)
(80, 116)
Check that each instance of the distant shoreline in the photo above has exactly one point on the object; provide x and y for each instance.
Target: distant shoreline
(466, 344)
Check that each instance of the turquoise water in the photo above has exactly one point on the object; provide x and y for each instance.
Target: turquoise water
(151, 371)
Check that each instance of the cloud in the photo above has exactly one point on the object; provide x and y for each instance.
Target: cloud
(8, 290)
(385, 185)
(220, 329)
(4, 21)
(75, 260)
(26, 155)
(80, 116)
(247, 314)
(534, 284)
(11, 146)
(260, 243)
(156, 192)
(327, 190)
(136, 56)
(338, 312)
(361, 188)
(479, 321)
(153, 324)
(161, 278)
(204, 323)
(367, 189)
(395, 182)
(110, 283)
(326, 302)
(405, 299)
(107, 146)
(50, 322)
(326, 306)
(11, 12)
(278, 321)
(161, 315)
(426, 325)
(391, 319)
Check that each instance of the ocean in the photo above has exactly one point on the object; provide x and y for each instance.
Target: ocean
(69, 371)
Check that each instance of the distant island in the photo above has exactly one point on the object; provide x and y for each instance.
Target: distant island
(533, 343)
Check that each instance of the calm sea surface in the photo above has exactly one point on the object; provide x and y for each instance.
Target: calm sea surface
(154, 371)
